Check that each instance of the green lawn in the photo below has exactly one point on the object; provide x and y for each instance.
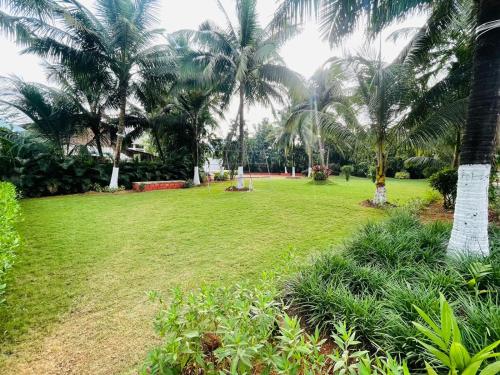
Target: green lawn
(77, 299)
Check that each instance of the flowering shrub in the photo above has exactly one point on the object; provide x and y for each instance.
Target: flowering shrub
(320, 173)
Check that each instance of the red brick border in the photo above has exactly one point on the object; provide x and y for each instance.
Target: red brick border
(157, 185)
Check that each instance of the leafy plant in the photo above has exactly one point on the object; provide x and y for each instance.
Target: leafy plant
(320, 173)
(402, 175)
(478, 271)
(9, 237)
(347, 171)
(445, 181)
(444, 343)
(218, 176)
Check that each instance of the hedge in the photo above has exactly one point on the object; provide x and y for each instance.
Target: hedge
(9, 238)
(49, 175)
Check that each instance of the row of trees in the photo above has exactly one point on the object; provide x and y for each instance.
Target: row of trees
(108, 61)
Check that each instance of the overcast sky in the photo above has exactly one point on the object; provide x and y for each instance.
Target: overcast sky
(305, 53)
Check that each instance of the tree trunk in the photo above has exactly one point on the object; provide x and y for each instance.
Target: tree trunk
(380, 197)
(309, 168)
(196, 176)
(97, 138)
(456, 152)
(158, 145)
(470, 223)
(241, 182)
(113, 184)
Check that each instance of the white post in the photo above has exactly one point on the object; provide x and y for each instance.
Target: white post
(286, 170)
(196, 178)
(113, 184)
(309, 172)
(241, 182)
(293, 171)
(470, 222)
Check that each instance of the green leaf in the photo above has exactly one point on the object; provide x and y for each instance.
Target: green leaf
(459, 356)
(430, 370)
(491, 369)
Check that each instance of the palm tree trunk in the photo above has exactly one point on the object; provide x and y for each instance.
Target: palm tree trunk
(380, 197)
(241, 182)
(113, 184)
(470, 224)
(309, 168)
(456, 152)
(158, 145)
(98, 144)
(196, 175)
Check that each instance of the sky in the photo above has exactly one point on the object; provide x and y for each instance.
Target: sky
(304, 54)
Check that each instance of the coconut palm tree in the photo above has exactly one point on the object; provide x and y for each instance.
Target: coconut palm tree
(337, 19)
(324, 112)
(118, 39)
(48, 112)
(93, 94)
(243, 59)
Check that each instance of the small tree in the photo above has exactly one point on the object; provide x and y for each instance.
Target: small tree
(445, 181)
(347, 171)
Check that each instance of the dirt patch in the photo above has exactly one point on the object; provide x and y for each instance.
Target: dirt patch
(369, 203)
(235, 189)
(436, 211)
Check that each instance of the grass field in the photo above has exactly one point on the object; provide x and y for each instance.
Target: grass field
(77, 295)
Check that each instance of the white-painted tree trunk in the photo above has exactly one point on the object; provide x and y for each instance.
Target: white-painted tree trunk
(309, 172)
(241, 182)
(470, 222)
(113, 184)
(286, 170)
(196, 177)
(293, 171)
(380, 197)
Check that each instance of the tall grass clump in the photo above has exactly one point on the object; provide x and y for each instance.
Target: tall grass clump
(9, 238)
(378, 277)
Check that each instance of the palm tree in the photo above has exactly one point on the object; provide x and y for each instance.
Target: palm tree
(337, 19)
(50, 113)
(93, 94)
(244, 60)
(324, 113)
(118, 39)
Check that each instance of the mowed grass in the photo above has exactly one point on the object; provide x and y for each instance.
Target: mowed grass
(77, 296)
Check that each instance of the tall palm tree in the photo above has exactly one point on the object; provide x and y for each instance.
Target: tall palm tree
(243, 59)
(118, 39)
(337, 19)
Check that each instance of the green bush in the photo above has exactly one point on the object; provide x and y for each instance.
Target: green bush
(384, 271)
(402, 175)
(52, 175)
(347, 171)
(218, 176)
(320, 173)
(9, 238)
(445, 181)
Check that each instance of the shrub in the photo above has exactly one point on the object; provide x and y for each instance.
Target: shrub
(386, 269)
(402, 175)
(320, 173)
(51, 175)
(218, 176)
(347, 171)
(9, 238)
(445, 181)
(361, 169)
